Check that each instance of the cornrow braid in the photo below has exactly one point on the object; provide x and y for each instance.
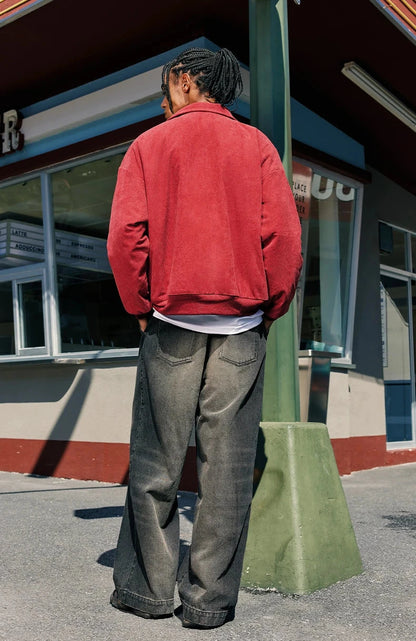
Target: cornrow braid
(215, 73)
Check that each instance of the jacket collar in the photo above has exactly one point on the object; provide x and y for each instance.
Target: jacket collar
(210, 107)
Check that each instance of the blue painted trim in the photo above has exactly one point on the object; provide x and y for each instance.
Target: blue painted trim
(307, 127)
(99, 127)
(312, 130)
(113, 78)
(89, 130)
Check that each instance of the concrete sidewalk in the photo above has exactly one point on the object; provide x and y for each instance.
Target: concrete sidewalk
(57, 550)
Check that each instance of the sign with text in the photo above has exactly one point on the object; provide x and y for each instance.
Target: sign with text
(301, 188)
(12, 139)
(23, 242)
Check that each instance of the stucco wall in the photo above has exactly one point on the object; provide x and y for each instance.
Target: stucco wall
(65, 402)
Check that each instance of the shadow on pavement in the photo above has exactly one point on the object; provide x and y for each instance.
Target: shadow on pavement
(99, 512)
(405, 521)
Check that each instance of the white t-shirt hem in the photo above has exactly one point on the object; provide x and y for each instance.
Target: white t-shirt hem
(213, 323)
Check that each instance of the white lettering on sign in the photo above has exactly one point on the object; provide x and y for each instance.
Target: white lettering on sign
(24, 241)
(301, 188)
(12, 139)
(29, 248)
(342, 192)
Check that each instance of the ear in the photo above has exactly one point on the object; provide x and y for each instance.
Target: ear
(185, 82)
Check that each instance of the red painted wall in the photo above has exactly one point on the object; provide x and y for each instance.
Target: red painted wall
(108, 462)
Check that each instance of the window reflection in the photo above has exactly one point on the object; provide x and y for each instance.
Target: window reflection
(396, 358)
(91, 313)
(82, 196)
(395, 254)
(327, 237)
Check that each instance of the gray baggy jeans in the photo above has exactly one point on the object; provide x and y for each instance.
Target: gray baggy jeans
(215, 383)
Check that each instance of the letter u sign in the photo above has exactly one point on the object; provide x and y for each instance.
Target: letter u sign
(12, 139)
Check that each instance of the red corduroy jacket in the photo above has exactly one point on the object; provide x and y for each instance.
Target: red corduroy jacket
(203, 219)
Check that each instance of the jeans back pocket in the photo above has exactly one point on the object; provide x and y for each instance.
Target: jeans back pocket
(175, 345)
(241, 349)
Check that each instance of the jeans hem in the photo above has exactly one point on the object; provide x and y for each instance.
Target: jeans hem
(207, 618)
(145, 604)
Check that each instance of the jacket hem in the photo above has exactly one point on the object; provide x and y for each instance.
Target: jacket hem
(208, 304)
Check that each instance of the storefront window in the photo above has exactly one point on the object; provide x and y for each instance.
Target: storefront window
(6, 320)
(70, 295)
(91, 314)
(327, 241)
(21, 231)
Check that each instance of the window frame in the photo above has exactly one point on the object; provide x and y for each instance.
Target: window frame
(346, 359)
(407, 275)
(18, 313)
(46, 272)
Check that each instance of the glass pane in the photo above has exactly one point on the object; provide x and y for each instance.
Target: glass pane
(397, 256)
(31, 310)
(327, 237)
(82, 196)
(6, 320)
(413, 253)
(396, 358)
(21, 231)
(91, 313)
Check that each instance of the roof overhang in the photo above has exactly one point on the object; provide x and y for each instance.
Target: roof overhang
(402, 13)
(11, 10)
(64, 44)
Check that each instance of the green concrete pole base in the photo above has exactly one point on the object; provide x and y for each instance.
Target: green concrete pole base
(301, 537)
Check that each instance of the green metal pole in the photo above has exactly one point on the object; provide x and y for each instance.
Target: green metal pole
(299, 518)
(270, 112)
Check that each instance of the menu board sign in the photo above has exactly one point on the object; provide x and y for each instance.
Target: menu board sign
(23, 242)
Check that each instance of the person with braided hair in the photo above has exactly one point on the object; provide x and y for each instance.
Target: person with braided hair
(204, 244)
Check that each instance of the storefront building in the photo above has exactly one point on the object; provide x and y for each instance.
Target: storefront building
(68, 351)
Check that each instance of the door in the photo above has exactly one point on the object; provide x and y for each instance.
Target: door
(398, 359)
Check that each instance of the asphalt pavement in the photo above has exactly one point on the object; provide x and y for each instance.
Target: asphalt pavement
(57, 546)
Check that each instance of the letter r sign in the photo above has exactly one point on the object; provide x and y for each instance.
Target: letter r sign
(12, 137)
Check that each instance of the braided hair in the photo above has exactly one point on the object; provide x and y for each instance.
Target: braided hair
(216, 74)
